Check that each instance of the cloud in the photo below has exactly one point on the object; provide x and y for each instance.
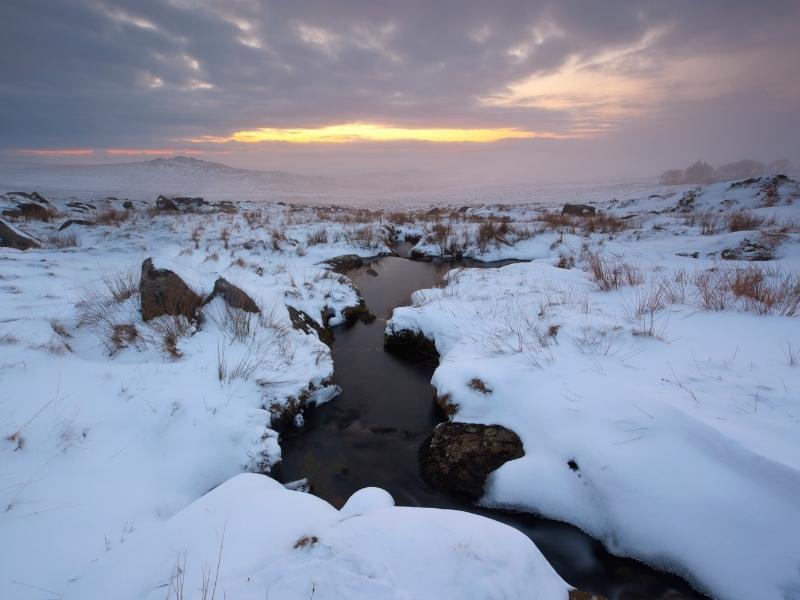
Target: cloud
(144, 73)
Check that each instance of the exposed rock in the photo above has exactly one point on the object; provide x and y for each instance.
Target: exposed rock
(35, 196)
(303, 322)
(458, 457)
(579, 210)
(233, 296)
(345, 262)
(164, 203)
(186, 202)
(747, 250)
(69, 222)
(81, 206)
(127, 205)
(11, 238)
(164, 293)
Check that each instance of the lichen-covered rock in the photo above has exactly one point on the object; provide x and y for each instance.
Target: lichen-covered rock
(233, 296)
(458, 457)
(162, 292)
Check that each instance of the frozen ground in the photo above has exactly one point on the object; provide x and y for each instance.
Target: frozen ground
(674, 396)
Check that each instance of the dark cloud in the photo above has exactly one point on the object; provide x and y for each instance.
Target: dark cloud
(130, 73)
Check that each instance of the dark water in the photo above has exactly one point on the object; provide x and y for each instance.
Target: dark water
(369, 436)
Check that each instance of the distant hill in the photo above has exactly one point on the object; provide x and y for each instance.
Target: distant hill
(177, 175)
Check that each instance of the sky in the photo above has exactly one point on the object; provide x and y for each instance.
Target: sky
(516, 90)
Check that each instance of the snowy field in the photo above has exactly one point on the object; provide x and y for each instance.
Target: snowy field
(648, 358)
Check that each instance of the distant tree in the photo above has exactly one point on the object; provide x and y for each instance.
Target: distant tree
(699, 172)
(741, 169)
(779, 167)
(671, 177)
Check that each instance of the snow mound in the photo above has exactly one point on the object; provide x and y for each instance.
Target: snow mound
(265, 541)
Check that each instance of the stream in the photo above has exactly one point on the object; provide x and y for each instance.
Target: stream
(369, 436)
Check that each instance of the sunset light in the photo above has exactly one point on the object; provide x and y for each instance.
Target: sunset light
(370, 132)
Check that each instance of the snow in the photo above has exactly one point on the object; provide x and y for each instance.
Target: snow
(269, 542)
(122, 459)
(686, 439)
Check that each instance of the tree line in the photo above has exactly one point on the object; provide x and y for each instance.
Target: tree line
(702, 172)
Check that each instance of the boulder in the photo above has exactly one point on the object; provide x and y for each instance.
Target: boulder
(69, 222)
(162, 292)
(127, 205)
(458, 457)
(579, 210)
(11, 238)
(233, 296)
(164, 203)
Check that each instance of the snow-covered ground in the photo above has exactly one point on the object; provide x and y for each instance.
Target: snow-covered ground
(657, 395)
(123, 441)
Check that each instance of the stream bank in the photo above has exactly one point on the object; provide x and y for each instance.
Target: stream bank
(371, 433)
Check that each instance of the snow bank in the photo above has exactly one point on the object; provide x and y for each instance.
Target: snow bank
(268, 542)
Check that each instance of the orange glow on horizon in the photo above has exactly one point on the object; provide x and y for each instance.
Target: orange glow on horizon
(371, 132)
(56, 152)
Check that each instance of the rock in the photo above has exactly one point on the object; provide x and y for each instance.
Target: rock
(186, 202)
(747, 250)
(81, 206)
(233, 296)
(164, 203)
(11, 238)
(345, 262)
(303, 322)
(164, 293)
(579, 210)
(35, 196)
(127, 205)
(458, 457)
(69, 222)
